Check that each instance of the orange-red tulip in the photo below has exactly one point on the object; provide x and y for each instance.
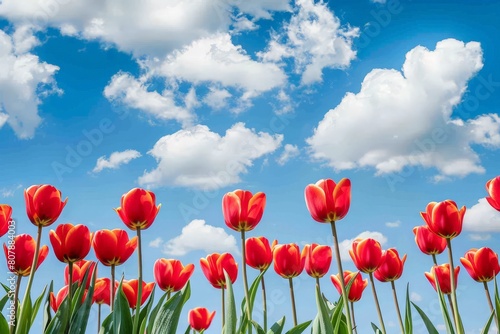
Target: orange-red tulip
(444, 218)
(357, 286)
(481, 264)
(171, 275)
(317, 259)
(442, 272)
(70, 242)
(80, 268)
(20, 253)
(43, 204)
(213, 267)
(5, 218)
(366, 254)
(429, 242)
(102, 291)
(130, 289)
(259, 254)
(288, 261)
(327, 201)
(56, 301)
(493, 188)
(242, 210)
(138, 209)
(113, 247)
(391, 266)
(200, 318)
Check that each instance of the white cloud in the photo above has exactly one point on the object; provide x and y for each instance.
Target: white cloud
(24, 80)
(345, 245)
(479, 236)
(401, 119)
(198, 157)
(396, 223)
(415, 297)
(10, 191)
(379, 1)
(289, 152)
(116, 159)
(216, 98)
(197, 235)
(314, 39)
(482, 218)
(156, 243)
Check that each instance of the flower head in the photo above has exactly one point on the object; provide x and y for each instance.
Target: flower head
(200, 318)
(493, 188)
(70, 242)
(113, 247)
(138, 209)
(357, 286)
(43, 204)
(481, 264)
(214, 265)
(429, 242)
(317, 259)
(366, 254)
(327, 201)
(242, 210)
(288, 261)
(171, 275)
(391, 266)
(442, 273)
(444, 218)
(5, 217)
(259, 254)
(20, 262)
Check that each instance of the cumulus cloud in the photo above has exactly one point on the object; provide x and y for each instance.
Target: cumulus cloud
(482, 218)
(314, 39)
(116, 159)
(197, 235)
(197, 157)
(479, 237)
(404, 118)
(156, 243)
(289, 152)
(346, 245)
(216, 98)
(24, 80)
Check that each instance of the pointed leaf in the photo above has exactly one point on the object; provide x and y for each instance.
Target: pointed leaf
(167, 319)
(277, 327)
(408, 319)
(299, 328)
(230, 326)
(427, 322)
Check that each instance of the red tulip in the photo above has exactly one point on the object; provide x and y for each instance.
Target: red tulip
(442, 272)
(429, 242)
(391, 266)
(113, 247)
(20, 253)
(70, 242)
(444, 218)
(259, 254)
(80, 268)
(242, 210)
(138, 209)
(357, 286)
(214, 265)
(317, 260)
(481, 264)
(102, 291)
(493, 188)
(366, 254)
(327, 201)
(43, 204)
(288, 261)
(200, 318)
(5, 218)
(130, 289)
(56, 301)
(171, 275)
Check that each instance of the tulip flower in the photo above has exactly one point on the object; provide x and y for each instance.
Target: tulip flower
(366, 254)
(70, 242)
(43, 204)
(242, 210)
(429, 242)
(391, 266)
(102, 290)
(259, 254)
(80, 268)
(317, 260)
(20, 253)
(213, 267)
(493, 188)
(5, 218)
(130, 289)
(442, 274)
(444, 218)
(328, 202)
(481, 264)
(357, 287)
(200, 319)
(113, 247)
(57, 300)
(171, 275)
(138, 209)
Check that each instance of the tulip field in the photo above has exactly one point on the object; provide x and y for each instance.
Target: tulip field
(133, 308)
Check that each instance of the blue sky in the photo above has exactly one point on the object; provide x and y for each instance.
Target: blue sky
(195, 99)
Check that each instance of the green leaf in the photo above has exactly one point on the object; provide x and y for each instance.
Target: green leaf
(337, 315)
(36, 306)
(497, 303)
(444, 309)
(430, 327)
(300, 328)
(121, 317)
(230, 325)
(376, 330)
(252, 292)
(4, 325)
(107, 325)
(167, 319)
(143, 315)
(322, 322)
(277, 327)
(60, 321)
(47, 315)
(259, 329)
(188, 330)
(486, 328)
(4, 300)
(154, 312)
(80, 318)
(408, 319)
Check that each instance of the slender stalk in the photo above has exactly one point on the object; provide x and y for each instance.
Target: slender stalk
(70, 281)
(341, 271)
(377, 304)
(319, 286)
(112, 287)
(245, 280)
(24, 305)
(139, 285)
(453, 289)
(353, 319)
(451, 307)
(434, 259)
(292, 296)
(264, 303)
(15, 301)
(168, 294)
(223, 308)
(394, 294)
(488, 297)
(98, 317)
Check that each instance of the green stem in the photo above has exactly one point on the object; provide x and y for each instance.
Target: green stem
(377, 304)
(292, 296)
(453, 289)
(488, 297)
(394, 294)
(98, 317)
(264, 303)
(353, 319)
(135, 328)
(168, 294)
(451, 308)
(345, 298)
(70, 281)
(112, 287)
(245, 281)
(434, 259)
(319, 286)
(15, 301)
(223, 308)
(24, 306)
